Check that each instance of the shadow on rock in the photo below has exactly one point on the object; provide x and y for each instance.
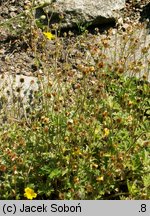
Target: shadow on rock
(145, 14)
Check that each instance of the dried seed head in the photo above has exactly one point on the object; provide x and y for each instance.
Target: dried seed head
(22, 80)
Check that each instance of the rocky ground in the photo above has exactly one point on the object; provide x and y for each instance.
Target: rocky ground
(16, 57)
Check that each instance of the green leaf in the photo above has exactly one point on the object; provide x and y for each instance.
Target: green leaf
(55, 173)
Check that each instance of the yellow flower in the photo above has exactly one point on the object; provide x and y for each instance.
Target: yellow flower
(49, 35)
(29, 193)
(106, 132)
(100, 178)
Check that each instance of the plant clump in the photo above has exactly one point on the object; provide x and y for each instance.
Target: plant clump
(83, 133)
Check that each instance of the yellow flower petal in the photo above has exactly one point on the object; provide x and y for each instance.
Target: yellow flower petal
(100, 178)
(49, 35)
(29, 193)
(106, 132)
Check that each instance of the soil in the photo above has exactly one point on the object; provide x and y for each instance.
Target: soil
(16, 57)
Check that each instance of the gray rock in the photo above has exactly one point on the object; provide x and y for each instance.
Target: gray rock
(80, 12)
(17, 86)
